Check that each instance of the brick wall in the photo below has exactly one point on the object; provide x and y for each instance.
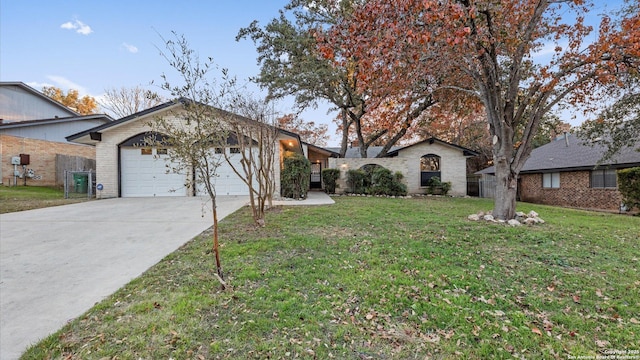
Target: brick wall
(574, 191)
(107, 151)
(453, 167)
(42, 158)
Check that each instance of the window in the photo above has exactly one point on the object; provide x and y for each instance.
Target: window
(429, 167)
(604, 179)
(551, 180)
(145, 151)
(162, 152)
(234, 150)
(219, 150)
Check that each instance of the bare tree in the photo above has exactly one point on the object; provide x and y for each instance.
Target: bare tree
(126, 101)
(257, 140)
(195, 129)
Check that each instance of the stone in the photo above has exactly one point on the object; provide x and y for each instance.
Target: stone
(533, 214)
(514, 222)
(520, 214)
(473, 217)
(489, 218)
(531, 221)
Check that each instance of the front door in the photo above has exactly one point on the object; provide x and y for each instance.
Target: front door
(316, 176)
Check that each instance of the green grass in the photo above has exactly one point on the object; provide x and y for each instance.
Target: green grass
(374, 278)
(20, 198)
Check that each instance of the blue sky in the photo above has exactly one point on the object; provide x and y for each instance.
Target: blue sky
(91, 46)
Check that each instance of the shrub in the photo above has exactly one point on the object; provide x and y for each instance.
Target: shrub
(330, 178)
(383, 182)
(629, 186)
(295, 176)
(358, 181)
(436, 186)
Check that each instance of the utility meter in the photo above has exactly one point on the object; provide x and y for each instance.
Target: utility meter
(15, 160)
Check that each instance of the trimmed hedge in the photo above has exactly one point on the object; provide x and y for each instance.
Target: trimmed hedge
(629, 186)
(330, 178)
(295, 176)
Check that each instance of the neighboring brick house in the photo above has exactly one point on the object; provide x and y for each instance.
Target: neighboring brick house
(32, 123)
(417, 162)
(566, 172)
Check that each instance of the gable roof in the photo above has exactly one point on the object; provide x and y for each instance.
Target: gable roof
(326, 151)
(33, 123)
(354, 152)
(569, 153)
(373, 151)
(93, 135)
(432, 140)
(28, 89)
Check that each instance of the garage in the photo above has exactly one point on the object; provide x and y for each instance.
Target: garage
(227, 181)
(144, 173)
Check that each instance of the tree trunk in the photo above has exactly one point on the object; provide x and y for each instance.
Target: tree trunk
(506, 190)
(345, 133)
(216, 247)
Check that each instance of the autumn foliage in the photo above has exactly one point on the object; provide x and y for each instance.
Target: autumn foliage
(520, 59)
(85, 105)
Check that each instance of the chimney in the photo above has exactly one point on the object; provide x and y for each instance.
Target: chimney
(566, 138)
(355, 143)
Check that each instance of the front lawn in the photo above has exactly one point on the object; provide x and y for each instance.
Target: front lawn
(374, 278)
(20, 198)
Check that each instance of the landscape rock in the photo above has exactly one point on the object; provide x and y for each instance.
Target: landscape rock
(473, 217)
(514, 222)
(532, 218)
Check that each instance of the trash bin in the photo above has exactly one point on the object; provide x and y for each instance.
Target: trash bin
(80, 182)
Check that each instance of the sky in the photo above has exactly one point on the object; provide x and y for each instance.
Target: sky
(91, 46)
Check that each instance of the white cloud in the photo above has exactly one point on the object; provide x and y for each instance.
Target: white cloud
(78, 26)
(130, 48)
(66, 84)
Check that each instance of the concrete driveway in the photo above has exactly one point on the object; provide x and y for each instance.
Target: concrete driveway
(56, 263)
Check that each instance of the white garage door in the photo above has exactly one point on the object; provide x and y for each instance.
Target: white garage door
(227, 181)
(144, 173)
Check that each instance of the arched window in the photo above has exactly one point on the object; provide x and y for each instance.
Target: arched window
(429, 167)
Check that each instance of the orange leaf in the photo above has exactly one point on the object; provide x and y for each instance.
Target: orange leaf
(535, 330)
(576, 299)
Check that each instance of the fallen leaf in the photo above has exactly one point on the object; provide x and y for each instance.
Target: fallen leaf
(535, 330)
(598, 293)
(576, 299)
(634, 321)
(551, 287)
(602, 343)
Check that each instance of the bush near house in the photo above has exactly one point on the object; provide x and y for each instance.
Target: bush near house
(376, 180)
(629, 186)
(383, 182)
(330, 178)
(295, 176)
(436, 187)
(358, 181)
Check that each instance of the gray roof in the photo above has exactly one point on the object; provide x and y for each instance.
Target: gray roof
(354, 152)
(573, 154)
(30, 123)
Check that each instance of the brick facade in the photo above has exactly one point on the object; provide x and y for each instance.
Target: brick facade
(453, 167)
(42, 158)
(575, 191)
(108, 172)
